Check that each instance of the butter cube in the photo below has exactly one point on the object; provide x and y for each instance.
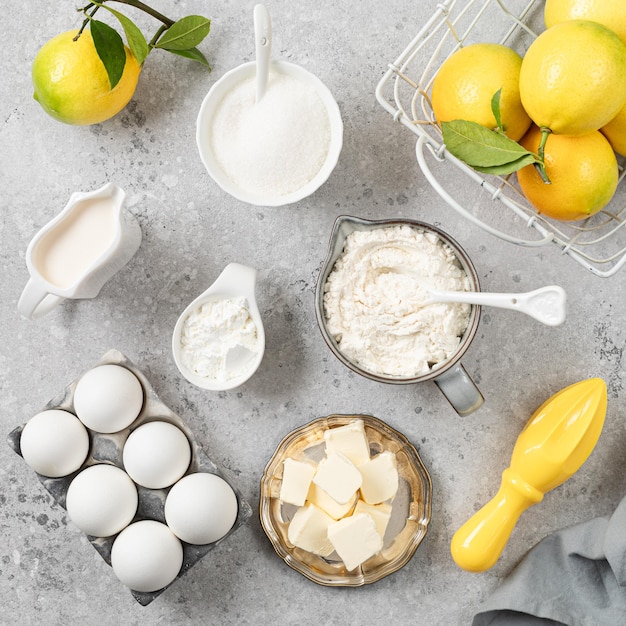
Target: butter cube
(381, 514)
(350, 440)
(355, 539)
(297, 476)
(323, 501)
(380, 478)
(338, 477)
(308, 530)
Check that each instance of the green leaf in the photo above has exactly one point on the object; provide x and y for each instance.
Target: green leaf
(508, 168)
(184, 34)
(479, 146)
(110, 49)
(194, 54)
(136, 40)
(495, 109)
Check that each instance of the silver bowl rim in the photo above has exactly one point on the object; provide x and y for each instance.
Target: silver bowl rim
(342, 227)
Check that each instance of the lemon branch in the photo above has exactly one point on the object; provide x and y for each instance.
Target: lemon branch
(179, 37)
(88, 18)
(133, 3)
(159, 32)
(541, 164)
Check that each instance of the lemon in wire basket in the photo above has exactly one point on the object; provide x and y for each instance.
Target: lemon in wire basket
(467, 81)
(583, 175)
(610, 13)
(573, 77)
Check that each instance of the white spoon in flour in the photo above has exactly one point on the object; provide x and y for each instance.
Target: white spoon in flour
(546, 304)
(237, 362)
(263, 48)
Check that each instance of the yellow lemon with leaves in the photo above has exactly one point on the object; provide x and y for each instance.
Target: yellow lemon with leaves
(573, 77)
(610, 13)
(72, 85)
(467, 81)
(582, 170)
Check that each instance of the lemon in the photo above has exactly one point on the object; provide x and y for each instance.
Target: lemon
(72, 85)
(466, 82)
(583, 175)
(573, 77)
(615, 132)
(610, 13)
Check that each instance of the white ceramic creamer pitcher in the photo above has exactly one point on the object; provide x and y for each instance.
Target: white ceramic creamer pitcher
(78, 251)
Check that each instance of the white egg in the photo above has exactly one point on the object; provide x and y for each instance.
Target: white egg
(146, 556)
(102, 500)
(201, 508)
(54, 443)
(156, 454)
(108, 398)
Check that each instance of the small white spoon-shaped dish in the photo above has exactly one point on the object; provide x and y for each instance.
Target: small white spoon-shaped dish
(263, 48)
(546, 304)
(235, 281)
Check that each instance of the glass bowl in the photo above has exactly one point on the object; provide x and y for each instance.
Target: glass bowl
(410, 515)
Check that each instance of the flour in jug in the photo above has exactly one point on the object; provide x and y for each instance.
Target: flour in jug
(375, 304)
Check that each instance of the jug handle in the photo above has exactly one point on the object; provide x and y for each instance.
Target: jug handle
(460, 390)
(35, 302)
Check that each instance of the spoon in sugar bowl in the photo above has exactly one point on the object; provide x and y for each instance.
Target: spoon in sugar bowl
(546, 304)
(257, 115)
(263, 48)
(219, 339)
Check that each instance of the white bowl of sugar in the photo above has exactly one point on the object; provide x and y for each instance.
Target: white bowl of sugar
(274, 152)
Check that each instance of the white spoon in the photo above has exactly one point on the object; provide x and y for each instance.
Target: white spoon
(263, 48)
(235, 281)
(546, 304)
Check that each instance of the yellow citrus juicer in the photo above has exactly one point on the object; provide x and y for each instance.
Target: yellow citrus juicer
(553, 445)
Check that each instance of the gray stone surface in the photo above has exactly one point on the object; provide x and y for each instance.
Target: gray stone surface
(49, 573)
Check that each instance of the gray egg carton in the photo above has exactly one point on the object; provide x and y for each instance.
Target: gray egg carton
(107, 448)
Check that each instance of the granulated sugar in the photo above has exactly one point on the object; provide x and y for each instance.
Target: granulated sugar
(277, 146)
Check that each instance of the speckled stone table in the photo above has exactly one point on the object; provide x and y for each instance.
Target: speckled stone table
(49, 573)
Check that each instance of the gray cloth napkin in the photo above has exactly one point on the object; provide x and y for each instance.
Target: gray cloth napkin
(575, 576)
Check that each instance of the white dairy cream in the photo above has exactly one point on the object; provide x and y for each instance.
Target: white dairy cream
(66, 252)
(216, 330)
(380, 478)
(375, 302)
(350, 440)
(330, 506)
(355, 539)
(309, 530)
(297, 476)
(338, 477)
(358, 497)
(381, 514)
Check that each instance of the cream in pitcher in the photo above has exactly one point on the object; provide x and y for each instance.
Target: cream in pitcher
(62, 254)
(76, 253)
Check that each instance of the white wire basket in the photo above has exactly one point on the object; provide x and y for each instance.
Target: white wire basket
(597, 243)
